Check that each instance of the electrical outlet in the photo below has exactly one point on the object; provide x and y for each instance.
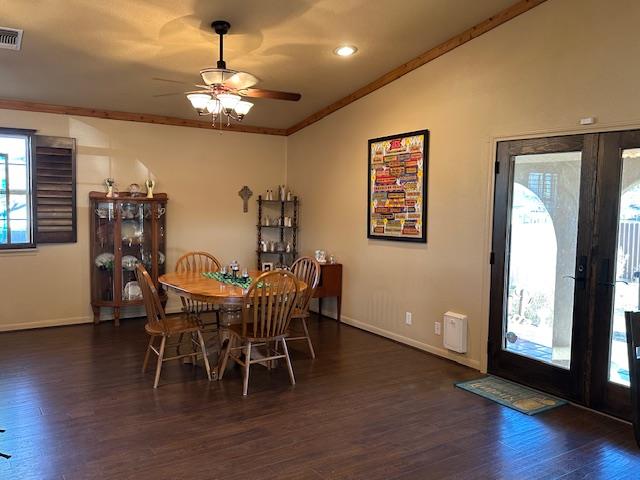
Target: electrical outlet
(438, 328)
(407, 318)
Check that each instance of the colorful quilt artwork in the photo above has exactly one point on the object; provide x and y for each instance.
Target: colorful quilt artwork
(397, 187)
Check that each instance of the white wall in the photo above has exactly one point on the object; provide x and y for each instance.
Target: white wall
(539, 73)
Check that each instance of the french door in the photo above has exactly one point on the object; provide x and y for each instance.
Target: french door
(566, 265)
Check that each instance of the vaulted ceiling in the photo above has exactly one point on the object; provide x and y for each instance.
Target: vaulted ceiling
(118, 54)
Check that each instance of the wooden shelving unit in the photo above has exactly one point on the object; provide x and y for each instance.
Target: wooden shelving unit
(280, 234)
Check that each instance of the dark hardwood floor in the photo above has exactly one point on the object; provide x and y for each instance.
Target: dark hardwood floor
(75, 406)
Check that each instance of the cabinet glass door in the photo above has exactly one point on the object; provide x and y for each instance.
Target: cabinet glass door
(105, 249)
(137, 236)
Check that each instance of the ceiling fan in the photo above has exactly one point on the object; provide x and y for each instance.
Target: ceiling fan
(224, 89)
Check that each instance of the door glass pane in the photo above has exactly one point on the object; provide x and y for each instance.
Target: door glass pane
(627, 287)
(542, 256)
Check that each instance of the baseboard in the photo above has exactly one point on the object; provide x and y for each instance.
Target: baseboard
(61, 322)
(440, 352)
(56, 322)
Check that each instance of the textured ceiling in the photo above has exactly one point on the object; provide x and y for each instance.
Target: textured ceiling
(105, 54)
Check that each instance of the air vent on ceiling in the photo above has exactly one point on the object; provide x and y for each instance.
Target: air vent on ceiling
(10, 38)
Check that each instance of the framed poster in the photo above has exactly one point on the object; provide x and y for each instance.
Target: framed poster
(397, 172)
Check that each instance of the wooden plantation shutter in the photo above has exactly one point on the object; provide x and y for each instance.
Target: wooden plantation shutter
(54, 184)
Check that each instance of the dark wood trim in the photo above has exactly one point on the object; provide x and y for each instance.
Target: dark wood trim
(132, 117)
(16, 131)
(487, 25)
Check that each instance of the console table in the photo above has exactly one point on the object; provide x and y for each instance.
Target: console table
(330, 285)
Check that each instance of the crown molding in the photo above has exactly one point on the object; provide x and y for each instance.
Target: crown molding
(481, 28)
(133, 117)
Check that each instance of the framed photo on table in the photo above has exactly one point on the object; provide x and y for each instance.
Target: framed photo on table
(397, 192)
(267, 266)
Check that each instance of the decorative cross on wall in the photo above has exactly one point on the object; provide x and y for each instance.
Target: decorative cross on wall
(245, 193)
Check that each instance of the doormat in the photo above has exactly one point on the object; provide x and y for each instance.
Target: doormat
(520, 398)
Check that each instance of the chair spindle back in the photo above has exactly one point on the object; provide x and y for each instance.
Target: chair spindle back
(152, 304)
(306, 269)
(273, 296)
(197, 262)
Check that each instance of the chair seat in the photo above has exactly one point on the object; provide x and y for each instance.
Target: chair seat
(181, 324)
(236, 328)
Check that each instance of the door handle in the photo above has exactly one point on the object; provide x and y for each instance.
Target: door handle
(581, 272)
(605, 273)
(612, 284)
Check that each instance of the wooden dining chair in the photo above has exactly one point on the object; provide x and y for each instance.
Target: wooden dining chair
(160, 326)
(306, 269)
(198, 262)
(266, 313)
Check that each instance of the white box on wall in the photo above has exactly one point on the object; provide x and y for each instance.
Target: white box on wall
(455, 332)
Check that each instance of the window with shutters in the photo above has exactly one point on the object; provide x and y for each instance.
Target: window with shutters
(16, 208)
(37, 189)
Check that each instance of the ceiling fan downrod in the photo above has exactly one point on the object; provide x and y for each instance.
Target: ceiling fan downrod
(221, 27)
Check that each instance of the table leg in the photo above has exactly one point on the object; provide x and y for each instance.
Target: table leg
(339, 301)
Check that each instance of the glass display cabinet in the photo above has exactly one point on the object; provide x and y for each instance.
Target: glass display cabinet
(125, 231)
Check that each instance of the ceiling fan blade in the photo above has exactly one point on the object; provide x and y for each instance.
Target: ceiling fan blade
(169, 80)
(180, 93)
(273, 94)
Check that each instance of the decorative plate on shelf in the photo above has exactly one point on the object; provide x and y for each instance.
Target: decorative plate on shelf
(161, 258)
(129, 210)
(129, 262)
(105, 260)
(130, 230)
(132, 291)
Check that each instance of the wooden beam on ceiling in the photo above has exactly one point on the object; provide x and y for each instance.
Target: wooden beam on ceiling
(132, 117)
(487, 25)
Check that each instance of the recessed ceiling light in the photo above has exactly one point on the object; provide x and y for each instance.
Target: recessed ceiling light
(345, 50)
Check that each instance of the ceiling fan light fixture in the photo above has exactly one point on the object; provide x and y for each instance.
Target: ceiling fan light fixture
(199, 101)
(345, 50)
(214, 76)
(242, 108)
(214, 107)
(228, 102)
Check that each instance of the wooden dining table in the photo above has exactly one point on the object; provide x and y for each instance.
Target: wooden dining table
(196, 286)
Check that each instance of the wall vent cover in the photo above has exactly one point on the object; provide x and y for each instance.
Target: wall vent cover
(10, 38)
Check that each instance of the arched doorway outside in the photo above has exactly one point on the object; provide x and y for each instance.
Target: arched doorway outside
(533, 262)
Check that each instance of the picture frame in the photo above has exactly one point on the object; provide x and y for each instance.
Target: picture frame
(267, 267)
(397, 172)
